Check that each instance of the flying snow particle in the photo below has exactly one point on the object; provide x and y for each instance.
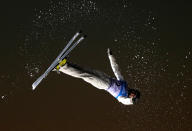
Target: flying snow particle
(186, 57)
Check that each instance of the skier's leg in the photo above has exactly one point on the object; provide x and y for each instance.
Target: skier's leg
(98, 79)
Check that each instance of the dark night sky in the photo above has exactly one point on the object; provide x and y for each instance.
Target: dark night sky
(32, 34)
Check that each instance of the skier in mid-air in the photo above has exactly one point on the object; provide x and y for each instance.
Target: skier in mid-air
(117, 87)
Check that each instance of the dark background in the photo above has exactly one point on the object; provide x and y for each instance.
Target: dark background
(159, 68)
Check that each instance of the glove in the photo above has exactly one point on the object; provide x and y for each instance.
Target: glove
(109, 52)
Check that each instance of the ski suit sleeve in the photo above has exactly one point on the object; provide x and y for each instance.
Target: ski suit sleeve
(125, 100)
(114, 65)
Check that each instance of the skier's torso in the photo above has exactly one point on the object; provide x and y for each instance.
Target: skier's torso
(118, 88)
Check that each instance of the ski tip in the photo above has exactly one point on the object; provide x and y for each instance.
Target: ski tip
(85, 36)
(80, 31)
(33, 87)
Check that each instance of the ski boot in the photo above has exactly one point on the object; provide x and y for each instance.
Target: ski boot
(61, 64)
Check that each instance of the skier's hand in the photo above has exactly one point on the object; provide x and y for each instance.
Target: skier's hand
(109, 52)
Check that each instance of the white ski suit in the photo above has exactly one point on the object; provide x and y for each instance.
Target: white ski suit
(101, 80)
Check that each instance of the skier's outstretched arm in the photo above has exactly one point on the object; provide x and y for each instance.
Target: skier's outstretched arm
(114, 65)
(125, 101)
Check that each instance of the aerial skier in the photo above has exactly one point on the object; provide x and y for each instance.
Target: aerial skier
(117, 87)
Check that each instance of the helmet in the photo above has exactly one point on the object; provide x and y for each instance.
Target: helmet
(137, 95)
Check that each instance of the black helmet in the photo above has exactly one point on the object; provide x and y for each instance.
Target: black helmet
(137, 95)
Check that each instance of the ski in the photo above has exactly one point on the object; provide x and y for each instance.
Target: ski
(59, 58)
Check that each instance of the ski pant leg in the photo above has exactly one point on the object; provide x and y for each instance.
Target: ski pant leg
(96, 78)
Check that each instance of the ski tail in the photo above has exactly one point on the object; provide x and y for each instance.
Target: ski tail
(72, 47)
(69, 44)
